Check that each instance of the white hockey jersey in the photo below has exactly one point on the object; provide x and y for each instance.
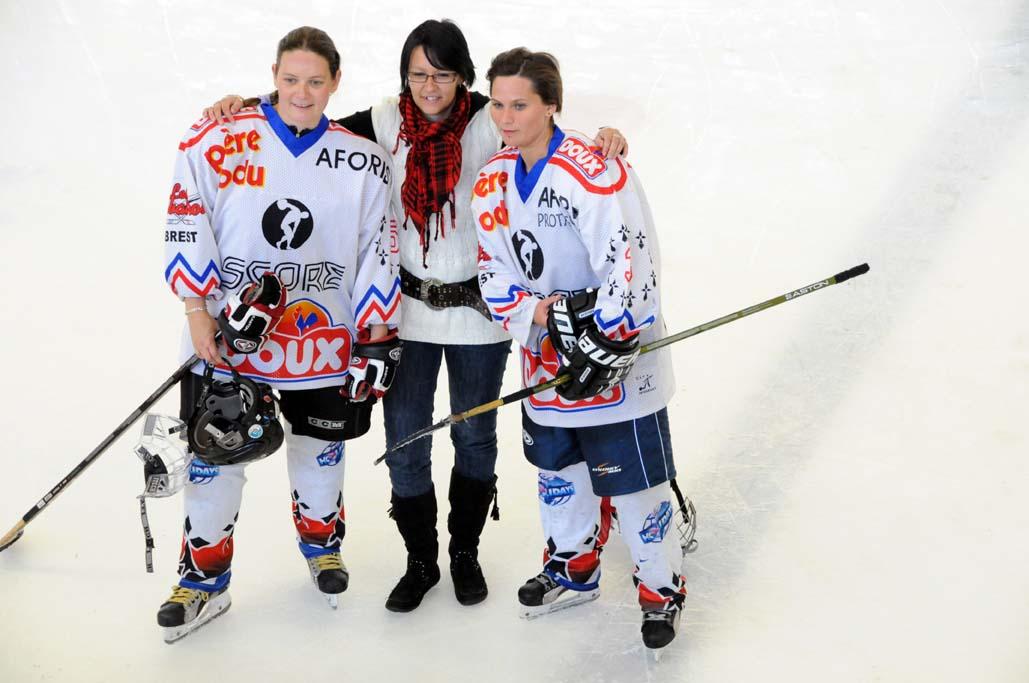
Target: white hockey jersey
(574, 221)
(250, 197)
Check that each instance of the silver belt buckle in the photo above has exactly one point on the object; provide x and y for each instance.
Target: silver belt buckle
(423, 292)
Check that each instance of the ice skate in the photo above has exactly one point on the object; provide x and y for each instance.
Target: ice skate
(330, 576)
(542, 594)
(660, 625)
(188, 609)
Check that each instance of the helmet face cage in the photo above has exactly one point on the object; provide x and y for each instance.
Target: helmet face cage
(234, 422)
(163, 449)
(686, 526)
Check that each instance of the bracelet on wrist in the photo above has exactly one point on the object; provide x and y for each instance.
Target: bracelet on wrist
(196, 310)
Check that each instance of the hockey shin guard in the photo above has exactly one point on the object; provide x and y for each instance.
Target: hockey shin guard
(316, 481)
(570, 513)
(211, 499)
(647, 525)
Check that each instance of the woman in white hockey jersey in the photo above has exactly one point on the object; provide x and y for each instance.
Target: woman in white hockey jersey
(439, 133)
(569, 266)
(282, 190)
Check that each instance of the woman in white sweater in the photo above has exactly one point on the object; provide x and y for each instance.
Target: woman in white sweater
(439, 134)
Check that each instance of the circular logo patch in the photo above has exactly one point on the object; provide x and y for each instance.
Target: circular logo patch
(287, 224)
(530, 256)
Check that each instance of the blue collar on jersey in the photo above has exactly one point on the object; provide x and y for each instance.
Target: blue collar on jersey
(296, 145)
(526, 180)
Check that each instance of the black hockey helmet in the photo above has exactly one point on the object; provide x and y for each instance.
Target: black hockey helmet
(234, 422)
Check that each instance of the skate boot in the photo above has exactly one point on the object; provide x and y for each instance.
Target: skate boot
(188, 609)
(542, 594)
(659, 625)
(330, 576)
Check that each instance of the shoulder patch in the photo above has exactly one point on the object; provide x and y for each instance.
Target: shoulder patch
(608, 181)
(582, 156)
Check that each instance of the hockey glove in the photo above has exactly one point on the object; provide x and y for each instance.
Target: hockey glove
(568, 319)
(597, 364)
(372, 368)
(252, 313)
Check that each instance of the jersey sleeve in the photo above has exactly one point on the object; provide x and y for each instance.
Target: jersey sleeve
(614, 227)
(376, 293)
(509, 301)
(190, 251)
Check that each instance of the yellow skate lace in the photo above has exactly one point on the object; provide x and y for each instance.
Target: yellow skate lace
(184, 596)
(329, 561)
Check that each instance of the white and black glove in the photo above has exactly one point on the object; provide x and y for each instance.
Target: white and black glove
(568, 318)
(372, 368)
(597, 364)
(252, 313)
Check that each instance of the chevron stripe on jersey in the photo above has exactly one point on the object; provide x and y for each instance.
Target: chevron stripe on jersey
(250, 197)
(582, 223)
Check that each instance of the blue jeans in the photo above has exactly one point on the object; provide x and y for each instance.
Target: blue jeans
(474, 373)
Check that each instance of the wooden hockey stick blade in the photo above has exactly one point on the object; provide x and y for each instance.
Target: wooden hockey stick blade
(15, 533)
(11, 536)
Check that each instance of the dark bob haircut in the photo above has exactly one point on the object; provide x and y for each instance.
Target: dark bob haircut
(445, 47)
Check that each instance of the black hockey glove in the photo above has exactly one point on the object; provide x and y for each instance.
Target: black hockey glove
(596, 365)
(568, 318)
(372, 368)
(252, 313)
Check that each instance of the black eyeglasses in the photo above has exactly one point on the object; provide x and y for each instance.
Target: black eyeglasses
(439, 78)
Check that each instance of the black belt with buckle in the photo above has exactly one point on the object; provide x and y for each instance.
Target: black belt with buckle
(438, 295)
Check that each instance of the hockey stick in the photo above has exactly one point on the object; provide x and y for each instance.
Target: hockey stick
(16, 532)
(561, 379)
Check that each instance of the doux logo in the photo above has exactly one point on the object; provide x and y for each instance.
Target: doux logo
(583, 157)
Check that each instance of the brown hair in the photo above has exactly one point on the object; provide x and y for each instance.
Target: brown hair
(313, 40)
(540, 68)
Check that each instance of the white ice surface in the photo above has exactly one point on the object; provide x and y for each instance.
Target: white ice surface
(855, 456)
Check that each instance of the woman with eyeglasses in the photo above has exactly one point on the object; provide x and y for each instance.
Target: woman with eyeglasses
(570, 266)
(439, 134)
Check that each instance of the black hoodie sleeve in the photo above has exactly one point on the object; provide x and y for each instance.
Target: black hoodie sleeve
(359, 123)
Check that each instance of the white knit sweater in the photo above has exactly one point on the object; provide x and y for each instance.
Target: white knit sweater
(453, 258)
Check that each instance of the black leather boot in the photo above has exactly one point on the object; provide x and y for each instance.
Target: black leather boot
(469, 502)
(416, 520)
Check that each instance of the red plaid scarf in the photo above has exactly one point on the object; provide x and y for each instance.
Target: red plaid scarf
(433, 163)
